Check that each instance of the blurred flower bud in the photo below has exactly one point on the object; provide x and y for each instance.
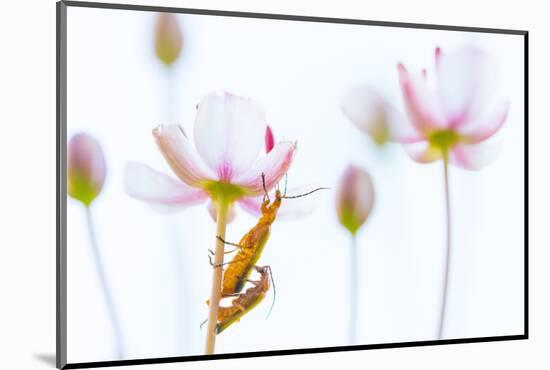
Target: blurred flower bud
(354, 198)
(269, 139)
(168, 40)
(85, 168)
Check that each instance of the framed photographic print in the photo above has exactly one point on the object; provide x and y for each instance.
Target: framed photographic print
(236, 184)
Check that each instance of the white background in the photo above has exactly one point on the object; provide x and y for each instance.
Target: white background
(29, 187)
(156, 263)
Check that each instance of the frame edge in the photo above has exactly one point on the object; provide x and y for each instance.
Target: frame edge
(288, 17)
(61, 139)
(61, 191)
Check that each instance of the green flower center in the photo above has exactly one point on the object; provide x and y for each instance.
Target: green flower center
(224, 191)
(443, 139)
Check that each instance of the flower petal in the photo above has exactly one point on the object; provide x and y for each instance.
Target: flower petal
(372, 114)
(474, 156)
(422, 152)
(421, 102)
(269, 139)
(180, 155)
(251, 205)
(486, 125)
(274, 165)
(229, 133)
(466, 80)
(290, 208)
(144, 183)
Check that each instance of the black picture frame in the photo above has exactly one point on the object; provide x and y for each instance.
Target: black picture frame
(61, 188)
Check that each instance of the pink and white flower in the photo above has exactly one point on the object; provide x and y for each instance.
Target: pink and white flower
(224, 164)
(450, 116)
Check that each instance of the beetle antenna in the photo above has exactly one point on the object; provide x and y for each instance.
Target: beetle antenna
(274, 291)
(265, 188)
(303, 195)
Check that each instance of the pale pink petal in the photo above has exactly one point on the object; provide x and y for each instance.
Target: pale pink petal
(213, 212)
(290, 208)
(269, 139)
(372, 114)
(274, 165)
(251, 205)
(229, 133)
(422, 152)
(144, 183)
(303, 206)
(180, 155)
(437, 55)
(420, 101)
(485, 125)
(466, 80)
(474, 156)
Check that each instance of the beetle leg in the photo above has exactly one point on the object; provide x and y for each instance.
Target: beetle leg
(254, 282)
(225, 252)
(223, 264)
(229, 243)
(218, 265)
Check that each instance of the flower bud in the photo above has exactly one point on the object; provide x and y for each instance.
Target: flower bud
(85, 168)
(168, 40)
(269, 139)
(354, 198)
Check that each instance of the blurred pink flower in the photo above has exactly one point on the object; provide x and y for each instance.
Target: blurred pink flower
(370, 113)
(354, 198)
(225, 163)
(86, 168)
(451, 115)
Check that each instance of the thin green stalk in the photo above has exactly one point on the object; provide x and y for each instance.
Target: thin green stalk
(353, 291)
(115, 324)
(447, 250)
(215, 295)
(169, 99)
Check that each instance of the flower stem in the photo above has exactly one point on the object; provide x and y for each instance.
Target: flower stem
(447, 250)
(217, 270)
(353, 291)
(104, 285)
